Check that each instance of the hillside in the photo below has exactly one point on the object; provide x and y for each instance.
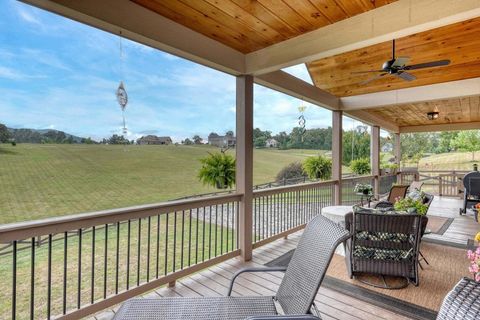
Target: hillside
(43, 136)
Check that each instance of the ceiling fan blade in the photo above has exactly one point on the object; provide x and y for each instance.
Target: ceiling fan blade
(400, 61)
(372, 79)
(406, 76)
(368, 71)
(431, 64)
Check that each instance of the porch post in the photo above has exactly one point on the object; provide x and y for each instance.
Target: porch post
(337, 131)
(244, 161)
(375, 158)
(397, 152)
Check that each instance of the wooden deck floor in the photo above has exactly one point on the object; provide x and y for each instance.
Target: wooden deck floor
(332, 305)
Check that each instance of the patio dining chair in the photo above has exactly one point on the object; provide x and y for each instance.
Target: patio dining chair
(295, 295)
(396, 192)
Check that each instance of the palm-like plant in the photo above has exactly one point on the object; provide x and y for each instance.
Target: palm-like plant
(218, 170)
(318, 167)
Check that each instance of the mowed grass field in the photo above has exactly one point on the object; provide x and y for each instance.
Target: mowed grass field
(45, 180)
(449, 161)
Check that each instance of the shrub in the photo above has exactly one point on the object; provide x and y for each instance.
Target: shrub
(318, 167)
(291, 171)
(218, 170)
(360, 166)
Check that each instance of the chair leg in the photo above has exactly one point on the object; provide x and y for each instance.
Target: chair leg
(385, 284)
(423, 258)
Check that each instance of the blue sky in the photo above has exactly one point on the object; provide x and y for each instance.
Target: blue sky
(60, 74)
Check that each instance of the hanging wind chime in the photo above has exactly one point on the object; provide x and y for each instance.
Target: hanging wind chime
(122, 97)
(301, 119)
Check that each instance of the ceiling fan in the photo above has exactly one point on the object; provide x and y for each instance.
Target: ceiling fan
(397, 67)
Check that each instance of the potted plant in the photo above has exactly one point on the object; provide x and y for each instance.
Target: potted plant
(363, 188)
(218, 170)
(411, 206)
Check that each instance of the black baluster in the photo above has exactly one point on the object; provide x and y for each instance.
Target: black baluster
(92, 289)
(65, 265)
(14, 280)
(79, 275)
(117, 258)
(49, 276)
(149, 228)
(139, 243)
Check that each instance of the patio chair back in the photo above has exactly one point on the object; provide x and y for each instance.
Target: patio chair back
(309, 264)
(383, 244)
(397, 192)
(416, 185)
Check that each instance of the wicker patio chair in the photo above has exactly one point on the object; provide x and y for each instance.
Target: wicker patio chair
(295, 295)
(396, 192)
(462, 303)
(384, 245)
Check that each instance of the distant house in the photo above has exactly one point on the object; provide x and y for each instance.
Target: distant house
(151, 139)
(271, 143)
(227, 140)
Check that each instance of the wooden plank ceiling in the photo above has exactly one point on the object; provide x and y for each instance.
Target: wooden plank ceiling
(458, 42)
(459, 110)
(250, 25)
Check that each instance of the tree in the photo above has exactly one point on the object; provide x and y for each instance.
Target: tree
(218, 170)
(197, 139)
(229, 133)
(467, 141)
(116, 139)
(187, 142)
(356, 145)
(318, 167)
(4, 133)
(360, 166)
(260, 142)
(446, 141)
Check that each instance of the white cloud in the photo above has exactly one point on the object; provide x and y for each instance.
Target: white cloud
(12, 74)
(28, 15)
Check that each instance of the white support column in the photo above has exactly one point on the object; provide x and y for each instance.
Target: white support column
(244, 160)
(337, 150)
(375, 157)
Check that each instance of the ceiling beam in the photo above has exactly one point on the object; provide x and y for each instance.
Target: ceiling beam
(441, 127)
(398, 19)
(373, 120)
(149, 28)
(295, 87)
(439, 91)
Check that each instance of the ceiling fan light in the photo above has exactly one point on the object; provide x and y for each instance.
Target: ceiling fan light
(432, 115)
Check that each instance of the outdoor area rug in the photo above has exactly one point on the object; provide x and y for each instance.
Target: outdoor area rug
(438, 225)
(448, 264)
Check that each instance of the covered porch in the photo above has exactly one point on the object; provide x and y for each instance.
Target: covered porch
(89, 263)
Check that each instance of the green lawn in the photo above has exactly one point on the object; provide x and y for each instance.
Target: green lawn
(44, 180)
(449, 161)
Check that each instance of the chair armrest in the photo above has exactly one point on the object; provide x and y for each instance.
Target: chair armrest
(250, 270)
(384, 204)
(285, 317)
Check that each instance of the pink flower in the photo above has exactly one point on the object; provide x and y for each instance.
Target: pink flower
(478, 251)
(470, 255)
(474, 268)
(477, 277)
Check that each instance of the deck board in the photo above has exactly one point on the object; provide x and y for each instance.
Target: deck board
(333, 305)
